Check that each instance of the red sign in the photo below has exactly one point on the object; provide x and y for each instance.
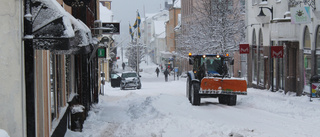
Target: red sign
(244, 49)
(277, 51)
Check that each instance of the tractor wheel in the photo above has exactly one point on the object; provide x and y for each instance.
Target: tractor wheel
(232, 100)
(188, 87)
(223, 99)
(195, 98)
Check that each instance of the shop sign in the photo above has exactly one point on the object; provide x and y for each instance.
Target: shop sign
(101, 52)
(277, 51)
(318, 52)
(307, 51)
(300, 15)
(244, 49)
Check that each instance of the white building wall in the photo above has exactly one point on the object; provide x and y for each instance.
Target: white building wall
(281, 29)
(12, 108)
(152, 40)
(290, 32)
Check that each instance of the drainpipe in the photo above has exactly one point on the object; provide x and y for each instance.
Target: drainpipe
(29, 70)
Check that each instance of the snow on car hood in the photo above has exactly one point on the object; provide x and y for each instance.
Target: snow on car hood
(130, 79)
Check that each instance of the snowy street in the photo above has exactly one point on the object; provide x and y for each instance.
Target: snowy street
(160, 109)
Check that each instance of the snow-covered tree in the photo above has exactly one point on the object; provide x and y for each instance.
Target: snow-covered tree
(135, 51)
(217, 27)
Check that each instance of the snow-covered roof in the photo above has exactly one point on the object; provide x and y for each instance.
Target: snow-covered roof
(177, 4)
(105, 13)
(52, 12)
(150, 15)
(51, 22)
(165, 54)
(160, 28)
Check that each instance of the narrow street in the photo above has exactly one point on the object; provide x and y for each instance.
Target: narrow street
(160, 109)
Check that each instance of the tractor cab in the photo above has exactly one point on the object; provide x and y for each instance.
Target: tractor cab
(209, 65)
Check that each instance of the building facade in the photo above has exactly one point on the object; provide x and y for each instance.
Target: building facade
(300, 42)
(154, 34)
(171, 24)
(12, 91)
(47, 65)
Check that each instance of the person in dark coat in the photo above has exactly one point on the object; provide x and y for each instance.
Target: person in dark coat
(123, 65)
(157, 71)
(166, 73)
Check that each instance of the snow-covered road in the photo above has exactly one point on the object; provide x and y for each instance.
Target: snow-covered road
(160, 109)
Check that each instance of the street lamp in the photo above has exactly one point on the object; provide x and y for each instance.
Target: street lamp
(261, 17)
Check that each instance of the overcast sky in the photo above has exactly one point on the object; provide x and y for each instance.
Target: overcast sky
(125, 11)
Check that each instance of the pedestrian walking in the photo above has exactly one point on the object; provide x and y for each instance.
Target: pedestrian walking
(166, 73)
(123, 65)
(157, 71)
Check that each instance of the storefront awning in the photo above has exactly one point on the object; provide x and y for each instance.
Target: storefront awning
(55, 29)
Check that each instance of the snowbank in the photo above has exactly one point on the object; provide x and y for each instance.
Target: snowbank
(3, 133)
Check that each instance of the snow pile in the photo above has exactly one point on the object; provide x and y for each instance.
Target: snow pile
(143, 111)
(77, 109)
(3, 133)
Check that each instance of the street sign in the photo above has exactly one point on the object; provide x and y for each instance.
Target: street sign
(110, 28)
(277, 51)
(244, 49)
(102, 52)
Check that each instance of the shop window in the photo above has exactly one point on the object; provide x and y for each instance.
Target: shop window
(318, 50)
(53, 88)
(307, 59)
(281, 70)
(318, 64)
(278, 72)
(69, 80)
(281, 73)
(307, 68)
(261, 58)
(56, 85)
(254, 56)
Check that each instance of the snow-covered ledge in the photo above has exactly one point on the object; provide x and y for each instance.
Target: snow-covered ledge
(263, 3)
(3, 133)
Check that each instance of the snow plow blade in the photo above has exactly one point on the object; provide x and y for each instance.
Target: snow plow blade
(223, 86)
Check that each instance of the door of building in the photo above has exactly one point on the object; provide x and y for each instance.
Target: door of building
(291, 66)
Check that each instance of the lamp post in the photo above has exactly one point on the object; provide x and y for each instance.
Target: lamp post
(262, 15)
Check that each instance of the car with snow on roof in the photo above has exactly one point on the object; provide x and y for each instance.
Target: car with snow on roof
(130, 80)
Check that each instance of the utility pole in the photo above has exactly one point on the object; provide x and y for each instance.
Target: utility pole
(108, 56)
(121, 53)
(138, 54)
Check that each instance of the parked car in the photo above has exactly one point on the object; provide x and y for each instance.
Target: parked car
(115, 80)
(130, 80)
